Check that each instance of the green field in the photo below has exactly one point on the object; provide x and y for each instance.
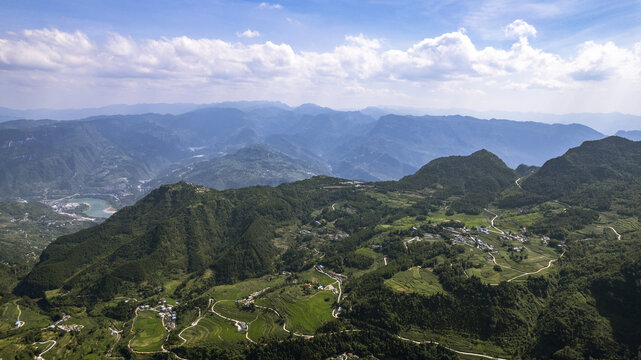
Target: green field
(368, 252)
(482, 219)
(512, 221)
(267, 326)
(247, 287)
(314, 276)
(303, 313)
(230, 310)
(415, 280)
(539, 256)
(213, 328)
(149, 334)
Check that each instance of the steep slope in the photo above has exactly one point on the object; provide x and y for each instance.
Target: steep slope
(253, 165)
(105, 155)
(175, 229)
(481, 170)
(608, 163)
(183, 228)
(413, 141)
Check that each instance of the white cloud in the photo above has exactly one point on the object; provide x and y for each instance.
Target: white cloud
(265, 5)
(447, 63)
(248, 34)
(518, 29)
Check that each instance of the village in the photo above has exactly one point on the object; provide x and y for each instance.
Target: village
(165, 312)
(65, 327)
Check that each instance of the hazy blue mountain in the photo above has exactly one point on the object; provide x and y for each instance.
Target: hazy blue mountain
(413, 141)
(634, 135)
(606, 123)
(121, 109)
(114, 154)
(322, 132)
(104, 156)
(253, 165)
(24, 124)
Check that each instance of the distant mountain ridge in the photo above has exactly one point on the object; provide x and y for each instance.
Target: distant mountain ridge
(116, 155)
(252, 165)
(186, 228)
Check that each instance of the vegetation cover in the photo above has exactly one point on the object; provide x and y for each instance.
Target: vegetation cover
(442, 264)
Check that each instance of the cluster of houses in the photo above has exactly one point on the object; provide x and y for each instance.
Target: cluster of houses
(356, 184)
(345, 356)
(322, 288)
(482, 229)
(167, 314)
(518, 237)
(332, 236)
(473, 241)
(65, 327)
(249, 300)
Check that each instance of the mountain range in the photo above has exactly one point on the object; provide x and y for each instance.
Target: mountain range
(447, 254)
(115, 156)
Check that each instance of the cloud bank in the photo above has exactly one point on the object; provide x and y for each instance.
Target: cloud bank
(360, 66)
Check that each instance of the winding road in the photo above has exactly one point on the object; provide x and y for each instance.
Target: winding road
(615, 232)
(450, 349)
(195, 322)
(517, 183)
(19, 323)
(114, 331)
(236, 322)
(53, 343)
(539, 270)
(492, 221)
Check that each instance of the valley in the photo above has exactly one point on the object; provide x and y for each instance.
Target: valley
(441, 261)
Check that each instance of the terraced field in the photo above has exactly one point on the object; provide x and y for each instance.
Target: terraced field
(247, 287)
(303, 313)
(415, 280)
(213, 328)
(267, 326)
(149, 334)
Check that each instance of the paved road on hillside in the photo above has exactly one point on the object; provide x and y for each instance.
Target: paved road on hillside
(617, 234)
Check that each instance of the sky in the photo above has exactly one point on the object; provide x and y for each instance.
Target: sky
(567, 56)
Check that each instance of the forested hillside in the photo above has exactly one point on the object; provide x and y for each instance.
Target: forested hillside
(439, 264)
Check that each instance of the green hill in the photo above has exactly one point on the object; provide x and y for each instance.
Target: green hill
(479, 178)
(408, 264)
(592, 174)
(177, 228)
(252, 165)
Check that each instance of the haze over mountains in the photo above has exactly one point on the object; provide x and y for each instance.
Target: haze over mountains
(210, 241)
(116, 155)
(607, 123)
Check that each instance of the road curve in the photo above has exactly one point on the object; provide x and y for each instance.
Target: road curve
(53, 343)
(450, 349)
(615, 232)
(539, 270)
(492, 221)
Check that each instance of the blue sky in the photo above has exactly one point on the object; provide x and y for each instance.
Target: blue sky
(551, 56)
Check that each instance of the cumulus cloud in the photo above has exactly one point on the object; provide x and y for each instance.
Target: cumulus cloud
(265, 5)
(447, 61)
(248, 34)
(519, 29)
